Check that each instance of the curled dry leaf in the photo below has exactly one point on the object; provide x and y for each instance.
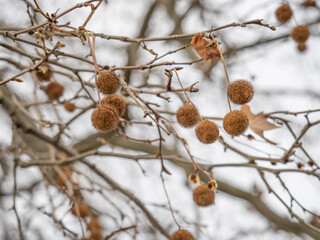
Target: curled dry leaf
(258, 122)
(205, 48)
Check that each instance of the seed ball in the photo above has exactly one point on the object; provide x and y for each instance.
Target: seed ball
(284, 13)
(44, 72)
(207, 131)
(181, 234)
(300, 33)
(54, 90)
(235, 123)
(83, 209)
(203, 196)
(240, 92)
(69, 106)
(115, 101)
(309, 3)
(188, 116)
(105, 118)
(302, 47)
(108, 82)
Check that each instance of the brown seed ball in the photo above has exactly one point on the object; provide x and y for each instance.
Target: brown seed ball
(188, 115)
(207, 131)
(54, 90)
(203, 196)
(108, 82)
(284, 13)
(44, 72)
(300, 33)
(302, 47)
(69, 106)
(309, 3)
(83, 209)
(235, 123)
(105, 118)
(115, 101)
(181, 234)
(240, 92)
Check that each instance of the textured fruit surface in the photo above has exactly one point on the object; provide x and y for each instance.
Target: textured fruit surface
(188, 116)
(69, 106)
(207, 131)
(300, 33)
(240, 92)
(181, 235)
(54, 90)
(108, 82)
(115, 101)
(284, 13)
(105, 118)
(203, 196)
(235, 123)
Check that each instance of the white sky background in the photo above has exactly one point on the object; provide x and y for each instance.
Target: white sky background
(282, 78)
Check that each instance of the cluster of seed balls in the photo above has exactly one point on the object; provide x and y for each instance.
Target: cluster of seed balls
(234, 123)
(54, 90)
(299, 33)
(106, 116)
(203, 196)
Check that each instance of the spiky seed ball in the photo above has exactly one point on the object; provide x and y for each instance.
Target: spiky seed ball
(108, 82)
(105, 118)
(207, 131)
(69, 106)
(302, 47)
(240, 92)
(54, 90)
(116, 101)
(309, 3)
(44, 72)
(300, 33)
(188, 115)
(203, 196)
(83, 209)
(181, 234)
(284, 13)
(235, 123)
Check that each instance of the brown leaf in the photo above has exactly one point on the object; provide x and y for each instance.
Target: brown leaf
(201, 46)
(258, 122)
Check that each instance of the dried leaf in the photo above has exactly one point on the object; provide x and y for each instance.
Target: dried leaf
(258, 122)
(205, 48)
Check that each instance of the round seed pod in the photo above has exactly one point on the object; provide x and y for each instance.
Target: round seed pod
(188, 116)
(108, 82)
(207, 131)
(105, 118)
(44, 72)
(309, 3)
(302, 47)
(69, 106)
(235, 123)
(54, 90)
(83, 209)
(284, 13)
(240, 92)
(115, 101)
(181, 234)
(203, 196)
(300, 33)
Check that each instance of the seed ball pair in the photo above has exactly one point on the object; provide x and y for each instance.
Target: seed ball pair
(207, 131)
(203, 196)
(181, 234)
(54, 90)
(105, 118)
(240, 92)
(300, 33)
(284, 13)
(188, 116)
(235, 123)
(108, 82)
